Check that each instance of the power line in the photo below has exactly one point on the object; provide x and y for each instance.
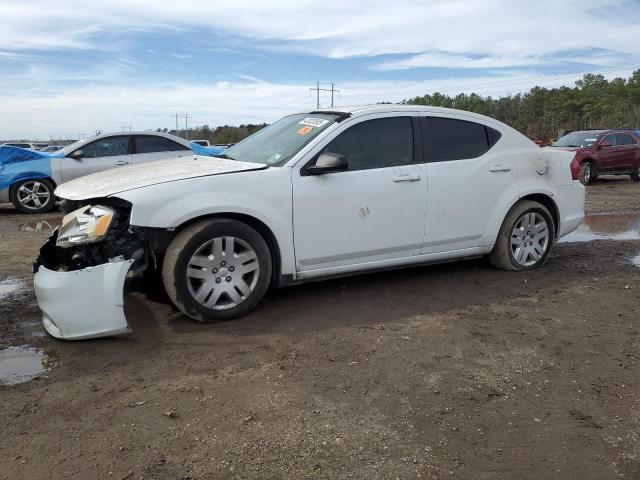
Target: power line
(318, 89)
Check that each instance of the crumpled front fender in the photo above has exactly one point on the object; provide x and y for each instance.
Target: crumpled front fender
(85, 303)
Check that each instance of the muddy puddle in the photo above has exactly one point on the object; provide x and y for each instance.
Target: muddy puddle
(20, 364)
(606, 227)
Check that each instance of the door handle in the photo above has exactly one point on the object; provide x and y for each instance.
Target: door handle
(122, 162)
(407, 178)
(499, 168)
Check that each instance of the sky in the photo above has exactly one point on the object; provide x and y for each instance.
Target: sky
(70, 67)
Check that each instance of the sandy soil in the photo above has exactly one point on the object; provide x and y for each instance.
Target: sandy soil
(450, 371)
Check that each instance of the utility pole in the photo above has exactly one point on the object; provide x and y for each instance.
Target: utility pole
(318, 89)
(186, 124)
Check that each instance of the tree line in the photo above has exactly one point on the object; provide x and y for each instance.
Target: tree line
(545, 113)
(225, 134)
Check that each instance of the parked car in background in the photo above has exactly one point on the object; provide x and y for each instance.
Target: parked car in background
(28, 178)
(601, 152)
(314, 195)
(52, 148)
(204, 143)
(41, 146)
(27, 146)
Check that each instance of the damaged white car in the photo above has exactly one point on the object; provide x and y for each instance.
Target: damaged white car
(312, 196)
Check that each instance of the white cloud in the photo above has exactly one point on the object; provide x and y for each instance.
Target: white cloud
(494, 28)
(93, 107)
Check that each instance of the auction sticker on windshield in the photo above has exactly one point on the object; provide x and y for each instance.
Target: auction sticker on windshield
(314, 122)
(305, 130)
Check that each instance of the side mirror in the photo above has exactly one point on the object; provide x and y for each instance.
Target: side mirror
(605, 144)
(328, 163)
(76, 155)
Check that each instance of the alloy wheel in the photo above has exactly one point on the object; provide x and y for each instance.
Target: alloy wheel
(529, 239)
(223, 272)
(587, 173)
(33, 195)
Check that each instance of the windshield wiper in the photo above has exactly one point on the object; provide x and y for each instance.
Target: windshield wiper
(224, 155)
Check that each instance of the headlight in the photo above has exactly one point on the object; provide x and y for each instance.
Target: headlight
(86, 225)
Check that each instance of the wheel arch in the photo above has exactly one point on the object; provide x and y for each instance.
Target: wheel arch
(550, 205)
(262, 228)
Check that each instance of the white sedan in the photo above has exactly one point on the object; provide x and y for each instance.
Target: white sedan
(312, 196)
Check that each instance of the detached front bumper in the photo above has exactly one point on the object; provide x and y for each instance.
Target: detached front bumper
(85, 303)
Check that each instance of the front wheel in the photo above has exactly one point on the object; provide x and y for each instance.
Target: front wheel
(635, 176)
(33, 196)
(217, 269)
(525, 238)
(586, 173)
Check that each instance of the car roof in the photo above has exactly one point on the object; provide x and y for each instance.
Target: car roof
(356, 110)
(80, 143)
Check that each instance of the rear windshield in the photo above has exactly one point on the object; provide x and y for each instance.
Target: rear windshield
(276, 144)
(577, 139)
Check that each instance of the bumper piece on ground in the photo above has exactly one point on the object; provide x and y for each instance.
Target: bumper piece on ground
(85, 303)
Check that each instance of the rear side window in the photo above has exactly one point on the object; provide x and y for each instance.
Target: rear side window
(106, 147)
(153, 143)
(453, 139)
(379, 143)
(625, 139)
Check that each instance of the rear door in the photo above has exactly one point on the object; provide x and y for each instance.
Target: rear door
(101, 154)
(148, 148)
(467, 181)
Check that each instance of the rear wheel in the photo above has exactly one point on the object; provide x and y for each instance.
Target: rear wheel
(525, 238)
(33, 196)
(635, 176)
(217, 269)
(586, 173)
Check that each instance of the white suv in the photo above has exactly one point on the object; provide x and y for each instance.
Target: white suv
(313, 195)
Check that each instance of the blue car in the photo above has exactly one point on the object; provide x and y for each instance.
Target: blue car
(28, 178)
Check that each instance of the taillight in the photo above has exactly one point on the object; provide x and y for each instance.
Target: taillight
(575, 168)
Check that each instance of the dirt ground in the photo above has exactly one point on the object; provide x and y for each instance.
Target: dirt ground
(450, 371)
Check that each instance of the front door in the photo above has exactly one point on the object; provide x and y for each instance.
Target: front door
(372, 212)
(99, 155)
(608, 153)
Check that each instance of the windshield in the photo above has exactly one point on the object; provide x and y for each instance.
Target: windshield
(277, 143)
(577, 139)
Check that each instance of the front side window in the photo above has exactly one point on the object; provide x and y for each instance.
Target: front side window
(279, 142)
(155, 143)
(625, 139)
(453, 139)
(611, 139)
(107, 147)
(379, 143)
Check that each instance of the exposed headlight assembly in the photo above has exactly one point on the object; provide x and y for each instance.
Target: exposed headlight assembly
(86, 225)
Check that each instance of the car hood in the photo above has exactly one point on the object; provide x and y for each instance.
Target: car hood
(116, 180)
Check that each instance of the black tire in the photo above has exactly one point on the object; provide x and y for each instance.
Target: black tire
(635, 176)
(43, 185)
(502, 256)
(179, 254)
(586, 173)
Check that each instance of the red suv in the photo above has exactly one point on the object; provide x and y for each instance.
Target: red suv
(601, 152)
